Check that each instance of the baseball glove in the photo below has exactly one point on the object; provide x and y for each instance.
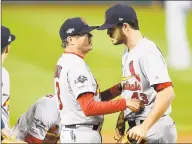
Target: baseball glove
(125, 140)
(122, 140)
(120, 125)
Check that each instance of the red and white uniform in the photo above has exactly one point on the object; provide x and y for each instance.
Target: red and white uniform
(144, 74)
(34, 124)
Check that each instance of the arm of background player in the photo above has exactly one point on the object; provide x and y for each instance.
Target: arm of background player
(156, 72)
(90, 107)
(4, 131)
(41, 123)
(111, 93)
(32, 140)
(2, 124)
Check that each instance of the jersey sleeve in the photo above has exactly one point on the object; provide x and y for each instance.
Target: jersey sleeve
(44, 118)
(80, 79)
(154, 68)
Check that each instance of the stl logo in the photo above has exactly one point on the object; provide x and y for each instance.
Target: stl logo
(83, 21)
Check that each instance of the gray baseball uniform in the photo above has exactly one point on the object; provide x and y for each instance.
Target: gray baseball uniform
(40, 117)
(72, 78)
(5, 97)
(143, 67)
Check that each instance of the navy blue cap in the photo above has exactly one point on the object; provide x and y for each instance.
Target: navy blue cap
(117, 14)
(75, 26)
(6, 37)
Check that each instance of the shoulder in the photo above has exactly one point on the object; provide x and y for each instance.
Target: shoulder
(70, 60)
(47, 100)
(149, 49)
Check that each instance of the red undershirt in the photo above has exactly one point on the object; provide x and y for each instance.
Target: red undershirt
(161, 86)
(32, 140)
(91, 107)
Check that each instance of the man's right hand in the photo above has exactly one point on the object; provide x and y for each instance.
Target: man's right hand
(134, 104)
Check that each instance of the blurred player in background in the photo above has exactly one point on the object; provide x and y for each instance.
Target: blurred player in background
(6, 39)
(178, 44)
(40, 124)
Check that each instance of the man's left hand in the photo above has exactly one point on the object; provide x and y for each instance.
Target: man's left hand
(137, 133)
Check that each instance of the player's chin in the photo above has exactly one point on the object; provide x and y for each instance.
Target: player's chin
(89, 47)
(117, 42)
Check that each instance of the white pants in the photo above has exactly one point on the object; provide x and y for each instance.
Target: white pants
(179, 55)
(82, 134)
(163, 131)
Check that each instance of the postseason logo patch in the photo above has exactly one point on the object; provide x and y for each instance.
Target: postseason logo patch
(39, 124)
(81, 79)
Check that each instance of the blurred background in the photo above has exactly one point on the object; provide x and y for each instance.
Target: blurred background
(33, 56)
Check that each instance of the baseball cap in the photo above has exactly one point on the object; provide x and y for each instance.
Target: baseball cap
(6, 37)
(75, 26)
(116, 14)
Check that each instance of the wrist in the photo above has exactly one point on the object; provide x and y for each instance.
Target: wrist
(119, 87)
(145, 126)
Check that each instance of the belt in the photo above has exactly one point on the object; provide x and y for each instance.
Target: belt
(134, 123)
(74, 126)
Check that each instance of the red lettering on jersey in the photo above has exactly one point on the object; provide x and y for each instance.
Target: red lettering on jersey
(58, 71)
(6, 102)
(131, 87)
(132, 71)
(143, 97)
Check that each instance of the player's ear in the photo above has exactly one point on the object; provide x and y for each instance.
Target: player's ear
(70, 40)
(125, 27)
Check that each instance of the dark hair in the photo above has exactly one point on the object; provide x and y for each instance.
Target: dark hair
(3, 50)
(133, 24)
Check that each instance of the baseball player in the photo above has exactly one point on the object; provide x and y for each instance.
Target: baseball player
(144, 76)
(40, 124)
(6, 39)
(79, 99)
(178, 43)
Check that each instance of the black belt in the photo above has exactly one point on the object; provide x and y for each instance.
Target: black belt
(133, 123)
(95, 127)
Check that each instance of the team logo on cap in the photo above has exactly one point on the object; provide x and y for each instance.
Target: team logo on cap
(70, 30)
(120, 19)
(83, 21)
(9, 39)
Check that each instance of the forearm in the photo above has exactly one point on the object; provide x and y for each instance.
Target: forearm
(111, 93)
(163, 101)
(90, 107)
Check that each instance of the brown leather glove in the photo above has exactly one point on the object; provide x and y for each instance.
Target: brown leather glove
(120, 125)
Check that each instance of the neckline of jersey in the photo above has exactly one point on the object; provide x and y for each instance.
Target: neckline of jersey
(73, 54)
(137, 46)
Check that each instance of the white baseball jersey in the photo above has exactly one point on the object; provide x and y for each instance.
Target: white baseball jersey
(72, 78)
(40, 117)
(5, 85)
(143, 66)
